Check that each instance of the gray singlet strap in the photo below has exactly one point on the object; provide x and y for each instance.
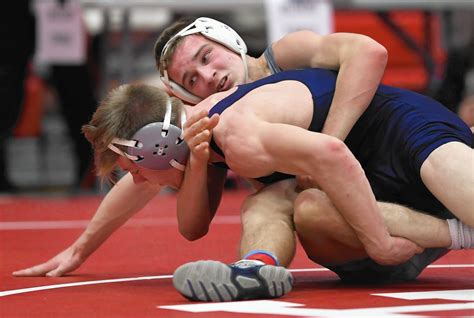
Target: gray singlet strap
(274, 68)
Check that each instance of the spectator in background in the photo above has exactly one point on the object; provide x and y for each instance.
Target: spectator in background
(457, 87)
(72, 81)
(63, 45)
(16, 47)
(77, 99)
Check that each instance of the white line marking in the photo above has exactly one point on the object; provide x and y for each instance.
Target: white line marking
(119, 280)
(276, 308)
(92, 282)
(458, 295)
(298, 270)
(451, 266)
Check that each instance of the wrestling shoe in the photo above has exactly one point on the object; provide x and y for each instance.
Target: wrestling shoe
(245, 279)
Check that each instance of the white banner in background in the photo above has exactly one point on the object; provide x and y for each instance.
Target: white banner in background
(285, 16)
(60, 34)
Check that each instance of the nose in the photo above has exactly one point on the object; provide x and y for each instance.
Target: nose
(137, 178)
(208, 74)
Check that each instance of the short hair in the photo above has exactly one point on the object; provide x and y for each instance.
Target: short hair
(121, 114)
(165, 36)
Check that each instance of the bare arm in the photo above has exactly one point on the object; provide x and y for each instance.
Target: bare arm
(120, 204)
(290, 149)
(201, 190)
(361, 63)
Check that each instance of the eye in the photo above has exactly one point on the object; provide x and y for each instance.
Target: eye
(205, 57)
(192, 81)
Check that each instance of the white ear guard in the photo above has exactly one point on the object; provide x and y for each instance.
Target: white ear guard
(156, 146)
(213, 30)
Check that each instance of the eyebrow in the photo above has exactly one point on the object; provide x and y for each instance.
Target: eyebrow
(193, 59)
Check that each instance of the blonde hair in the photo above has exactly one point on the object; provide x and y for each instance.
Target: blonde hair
(165, 36)
(122, 113)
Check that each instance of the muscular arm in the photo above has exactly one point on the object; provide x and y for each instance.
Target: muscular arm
(361, 63)
(120, 204)
(201, 190)
(290, 149)
(199, 198)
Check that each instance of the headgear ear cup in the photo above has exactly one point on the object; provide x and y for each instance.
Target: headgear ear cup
(215, 31)
(156, 150)
(158, 145)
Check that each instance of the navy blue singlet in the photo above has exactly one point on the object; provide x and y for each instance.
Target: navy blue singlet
(391, 140)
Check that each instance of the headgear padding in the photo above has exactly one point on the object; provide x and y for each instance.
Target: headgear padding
(157, 146)
(213, 30)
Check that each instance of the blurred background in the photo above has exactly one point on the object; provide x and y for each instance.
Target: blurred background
(59, 58)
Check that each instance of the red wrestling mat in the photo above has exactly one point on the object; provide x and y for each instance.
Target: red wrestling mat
(130, 275)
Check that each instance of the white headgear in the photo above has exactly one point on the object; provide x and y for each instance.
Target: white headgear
(213, 30)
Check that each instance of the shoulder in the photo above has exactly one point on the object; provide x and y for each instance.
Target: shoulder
(299, 38)
(296, 49)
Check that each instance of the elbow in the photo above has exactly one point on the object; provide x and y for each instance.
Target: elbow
(381, 55)
(335, 149)
(338, 157)
(193, 234)
(376, 53)
(368, 50)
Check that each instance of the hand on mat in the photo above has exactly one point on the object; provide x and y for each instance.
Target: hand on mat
(61, 264)
(198, 133)
(400, 251)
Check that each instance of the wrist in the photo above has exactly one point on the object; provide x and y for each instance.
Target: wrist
(197, 162)
(82, 249)
(379, 246)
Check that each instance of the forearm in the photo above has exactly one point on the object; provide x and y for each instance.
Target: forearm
(348, 188)
(327, 160)
(120, 204)
(335, 169)
(193, 209)
(361, 70)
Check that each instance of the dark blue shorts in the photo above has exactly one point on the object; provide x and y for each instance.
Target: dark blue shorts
(395, 142)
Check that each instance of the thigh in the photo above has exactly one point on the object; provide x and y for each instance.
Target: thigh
(323, 232)
(448, 173)
(274, 199)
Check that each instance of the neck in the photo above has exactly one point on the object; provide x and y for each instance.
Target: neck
(257, 68)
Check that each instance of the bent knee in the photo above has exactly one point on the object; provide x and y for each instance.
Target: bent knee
(273, 200)
(312, 209)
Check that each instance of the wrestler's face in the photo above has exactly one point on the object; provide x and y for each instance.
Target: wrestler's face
(204, 67)
(171, 177)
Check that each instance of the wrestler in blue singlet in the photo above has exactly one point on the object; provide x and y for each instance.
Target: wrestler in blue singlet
(391, 140)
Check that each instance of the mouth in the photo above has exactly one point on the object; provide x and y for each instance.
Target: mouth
(223, 84)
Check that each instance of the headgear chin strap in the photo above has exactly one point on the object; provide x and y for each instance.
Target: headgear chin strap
(213, 30)
(157, 145)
